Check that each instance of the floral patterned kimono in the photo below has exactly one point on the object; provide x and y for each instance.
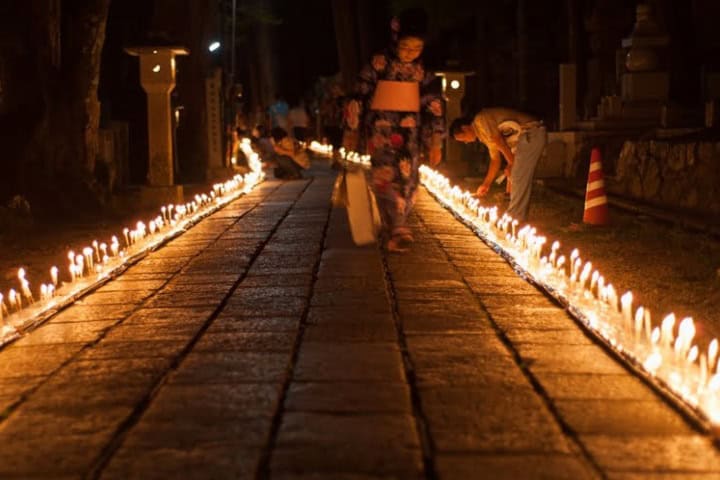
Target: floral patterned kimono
(396, 141)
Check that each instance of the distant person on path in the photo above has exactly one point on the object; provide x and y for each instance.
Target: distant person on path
(289, 165)
(393, 117)
(262, 143)
(298, 121)
(278, 112)
(519, 137)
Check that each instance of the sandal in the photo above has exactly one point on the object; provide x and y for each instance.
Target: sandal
(406, 238)
(393, 245)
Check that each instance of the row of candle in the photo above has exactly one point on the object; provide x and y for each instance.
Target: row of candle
(320, 149)
(351, 157)
(666, 353)
(96, 262)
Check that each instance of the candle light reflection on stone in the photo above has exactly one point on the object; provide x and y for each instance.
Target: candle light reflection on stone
(667, 356)
(88, 270)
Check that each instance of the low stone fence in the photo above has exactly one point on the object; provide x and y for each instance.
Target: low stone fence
(672, 173)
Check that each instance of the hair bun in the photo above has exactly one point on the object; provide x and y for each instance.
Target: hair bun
(412, 23)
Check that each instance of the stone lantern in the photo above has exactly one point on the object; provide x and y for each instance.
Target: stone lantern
(453, 89)
(157, 77)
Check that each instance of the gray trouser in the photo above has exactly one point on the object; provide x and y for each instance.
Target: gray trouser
(529, 149)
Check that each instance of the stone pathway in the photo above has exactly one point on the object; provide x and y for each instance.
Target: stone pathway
(263, 344)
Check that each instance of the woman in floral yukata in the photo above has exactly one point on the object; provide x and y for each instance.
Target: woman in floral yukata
(397, 139)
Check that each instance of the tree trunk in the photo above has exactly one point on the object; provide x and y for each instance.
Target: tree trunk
(346, 42)
(522, 54)
(50, 111)
(482, 76)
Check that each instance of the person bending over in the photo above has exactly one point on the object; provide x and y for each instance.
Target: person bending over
(519, 137)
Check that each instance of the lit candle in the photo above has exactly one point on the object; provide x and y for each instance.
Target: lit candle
(585, 274)
(639, 321)
(653, 362)
(54, 275)
(712, 353)
(611, 296)
(114, 246)
(576, 267)
(573, 255)
(539, 243)
(686, 333)
(88, 252)
(96, 247)
(626, 308)
(648, 324)
(80, 265)
(714, 383)
(14, 300)
(126, 231)
(655, 336)
(667, 325)
(594, 281)
(25, 286)
(553, 252)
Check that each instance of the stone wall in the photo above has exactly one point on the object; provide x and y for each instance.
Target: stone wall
(669, 173)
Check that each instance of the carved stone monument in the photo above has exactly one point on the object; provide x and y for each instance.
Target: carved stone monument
(216, 169)
(643, 80)
(645, 77)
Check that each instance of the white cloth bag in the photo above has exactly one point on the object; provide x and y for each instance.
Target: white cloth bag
(362, 210)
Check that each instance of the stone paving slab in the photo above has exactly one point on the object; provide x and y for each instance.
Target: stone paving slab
(263, 344)
(617, 422)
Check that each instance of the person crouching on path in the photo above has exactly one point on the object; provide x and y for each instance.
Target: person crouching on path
(393, 117)
(285, 150)
(519, 137)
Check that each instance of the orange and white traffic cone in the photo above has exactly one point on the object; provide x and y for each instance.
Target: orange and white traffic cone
(596, 203)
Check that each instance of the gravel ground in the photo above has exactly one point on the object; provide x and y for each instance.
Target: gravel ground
(668, 268)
